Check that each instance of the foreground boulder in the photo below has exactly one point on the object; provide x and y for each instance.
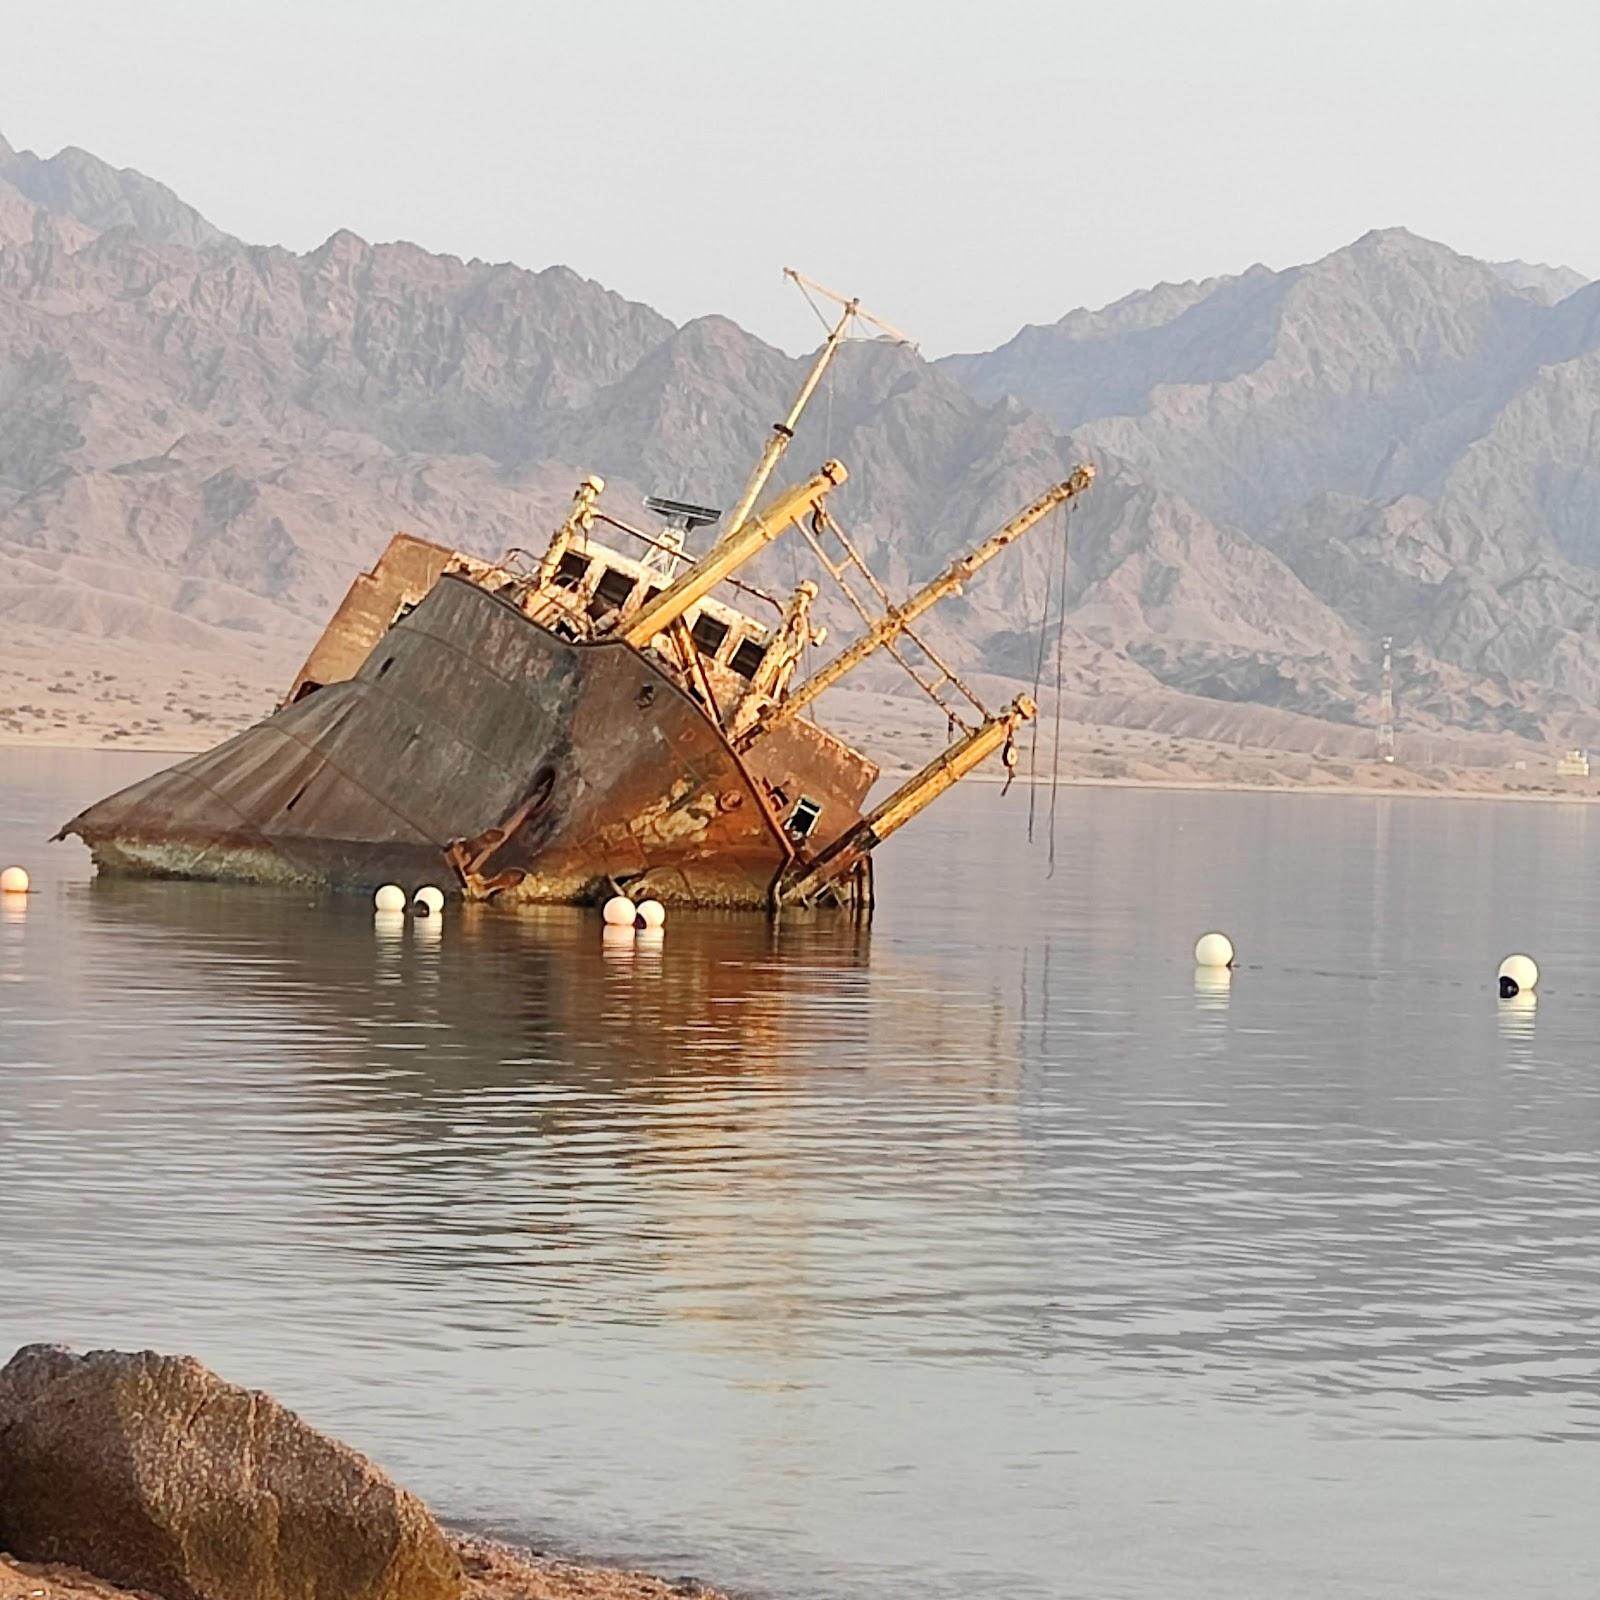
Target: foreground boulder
(150, 1471)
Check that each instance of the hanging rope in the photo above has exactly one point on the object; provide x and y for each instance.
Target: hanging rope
(1055, 767)
(1038, 677)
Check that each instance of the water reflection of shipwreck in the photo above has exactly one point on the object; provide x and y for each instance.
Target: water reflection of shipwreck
(555, 729)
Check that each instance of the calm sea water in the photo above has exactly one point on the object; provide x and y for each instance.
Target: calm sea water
(983, 1252)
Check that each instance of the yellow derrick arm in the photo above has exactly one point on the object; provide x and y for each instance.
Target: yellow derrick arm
(898, 618)
(728, 555)
(917, 792)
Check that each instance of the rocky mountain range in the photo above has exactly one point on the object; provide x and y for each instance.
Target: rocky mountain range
(202, 440)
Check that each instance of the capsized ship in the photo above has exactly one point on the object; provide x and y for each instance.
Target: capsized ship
(560, 728)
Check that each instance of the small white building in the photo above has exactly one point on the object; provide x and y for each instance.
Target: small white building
(1574, 764)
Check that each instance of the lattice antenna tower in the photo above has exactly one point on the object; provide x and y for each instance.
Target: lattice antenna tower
(1386, 705)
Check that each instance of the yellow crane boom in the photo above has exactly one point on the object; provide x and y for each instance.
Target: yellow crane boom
(922, 789)
(897, 619)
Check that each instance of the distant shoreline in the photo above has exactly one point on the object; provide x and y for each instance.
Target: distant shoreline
(1186, 785)
(1238, 786)
(101, 748)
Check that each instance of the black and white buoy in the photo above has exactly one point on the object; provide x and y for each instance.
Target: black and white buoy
(1518, 975)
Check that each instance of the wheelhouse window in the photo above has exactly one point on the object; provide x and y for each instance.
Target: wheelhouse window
(747, 658)
(708, 633)
(612, 591)
(804, 818)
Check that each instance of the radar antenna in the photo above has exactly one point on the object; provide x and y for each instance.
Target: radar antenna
(682, 519)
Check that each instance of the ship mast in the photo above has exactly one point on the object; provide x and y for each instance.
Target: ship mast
(783, 432)
(746, 534)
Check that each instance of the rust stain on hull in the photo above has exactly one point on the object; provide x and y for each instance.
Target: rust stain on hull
(475, 749)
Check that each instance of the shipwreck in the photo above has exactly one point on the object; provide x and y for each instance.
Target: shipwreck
(563, 726)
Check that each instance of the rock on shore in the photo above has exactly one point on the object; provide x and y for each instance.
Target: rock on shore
(151, 1471)
(128, 1475)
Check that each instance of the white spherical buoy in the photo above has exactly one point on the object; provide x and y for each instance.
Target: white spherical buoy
(14, 880)
(619, 911)
(1518, 975)
(1213, 950)
(652, 913)
(391, 897)
(428, 901)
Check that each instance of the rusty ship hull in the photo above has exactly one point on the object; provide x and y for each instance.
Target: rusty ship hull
(475, 749)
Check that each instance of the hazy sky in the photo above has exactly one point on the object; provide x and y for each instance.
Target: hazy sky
(964, 168)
